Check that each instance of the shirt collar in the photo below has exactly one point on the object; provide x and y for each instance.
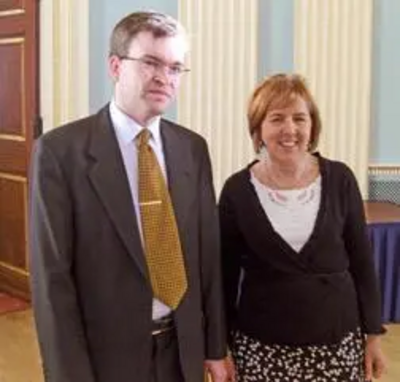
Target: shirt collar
(127, 129)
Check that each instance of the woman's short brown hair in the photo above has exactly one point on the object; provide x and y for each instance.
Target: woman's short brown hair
(159, 24)
(279, 91)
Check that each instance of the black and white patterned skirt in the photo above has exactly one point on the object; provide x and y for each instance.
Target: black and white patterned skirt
(342, 362)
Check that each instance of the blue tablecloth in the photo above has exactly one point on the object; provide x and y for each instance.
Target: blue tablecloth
(385, 239)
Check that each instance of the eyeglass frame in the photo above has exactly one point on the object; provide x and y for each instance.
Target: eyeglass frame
(156, 65)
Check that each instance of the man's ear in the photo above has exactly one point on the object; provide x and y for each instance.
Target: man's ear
(114, 66)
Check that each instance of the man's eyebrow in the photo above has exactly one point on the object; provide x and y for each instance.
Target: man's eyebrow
(155, 58)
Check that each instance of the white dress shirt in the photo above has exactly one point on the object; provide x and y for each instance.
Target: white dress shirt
(127, 130)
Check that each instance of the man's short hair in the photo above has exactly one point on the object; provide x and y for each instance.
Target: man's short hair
(159, 24)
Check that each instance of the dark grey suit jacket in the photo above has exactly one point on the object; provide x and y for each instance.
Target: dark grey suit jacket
(92, 297)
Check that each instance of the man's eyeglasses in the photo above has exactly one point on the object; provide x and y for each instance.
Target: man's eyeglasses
(153, 66)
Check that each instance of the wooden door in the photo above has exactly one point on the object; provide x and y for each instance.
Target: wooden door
(18, 122)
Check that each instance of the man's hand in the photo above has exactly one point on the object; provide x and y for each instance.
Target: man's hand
(221, 370)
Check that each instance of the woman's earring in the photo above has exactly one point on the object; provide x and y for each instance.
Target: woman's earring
(262, 151)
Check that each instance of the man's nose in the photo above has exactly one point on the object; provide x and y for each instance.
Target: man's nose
(161, 76)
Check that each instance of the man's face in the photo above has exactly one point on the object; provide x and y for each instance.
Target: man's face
(147, 79)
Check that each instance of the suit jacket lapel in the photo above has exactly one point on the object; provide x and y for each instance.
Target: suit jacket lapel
(108, 176)
(178, 162)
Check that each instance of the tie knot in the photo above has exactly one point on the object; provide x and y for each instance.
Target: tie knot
(143, 137)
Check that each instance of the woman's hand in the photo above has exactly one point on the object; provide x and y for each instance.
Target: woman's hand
(231, 368)
(220, 370)
(374, 360)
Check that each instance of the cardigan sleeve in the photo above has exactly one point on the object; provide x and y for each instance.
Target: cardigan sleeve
(360, 257)
(231, 248)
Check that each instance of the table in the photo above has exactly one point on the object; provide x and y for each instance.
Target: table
(384, 230)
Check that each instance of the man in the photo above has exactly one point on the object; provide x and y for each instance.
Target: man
(99, 304)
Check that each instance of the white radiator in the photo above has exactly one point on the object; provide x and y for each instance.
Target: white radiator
(384, 183)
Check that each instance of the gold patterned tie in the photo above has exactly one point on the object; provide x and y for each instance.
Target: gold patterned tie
(160, 233)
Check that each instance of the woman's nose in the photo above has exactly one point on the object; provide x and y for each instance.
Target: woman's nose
(289, 126)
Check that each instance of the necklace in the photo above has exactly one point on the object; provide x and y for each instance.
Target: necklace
(294, 181)
(293, 198)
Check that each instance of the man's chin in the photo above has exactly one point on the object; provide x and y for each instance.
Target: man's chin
(156, 111)
(159, 107)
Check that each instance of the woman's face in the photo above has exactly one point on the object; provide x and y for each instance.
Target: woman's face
(286, 132)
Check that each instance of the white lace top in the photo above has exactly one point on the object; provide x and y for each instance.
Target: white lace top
(292, 213)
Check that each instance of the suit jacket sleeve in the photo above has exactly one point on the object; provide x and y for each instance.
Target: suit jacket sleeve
(361, 261)
(214, 320)
(60, 331)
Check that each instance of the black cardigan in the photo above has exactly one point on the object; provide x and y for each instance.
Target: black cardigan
(312, 297)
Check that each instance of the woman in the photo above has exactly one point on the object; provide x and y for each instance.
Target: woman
(302, 298)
